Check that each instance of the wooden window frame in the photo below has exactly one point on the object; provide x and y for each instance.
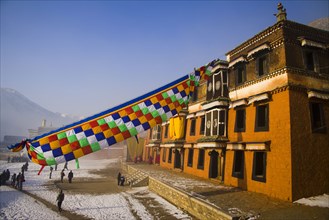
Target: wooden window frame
(240, 173)
(255, 176)
(237, 112)
(266, 119)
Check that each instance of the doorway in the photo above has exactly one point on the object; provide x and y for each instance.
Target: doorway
(214, 165)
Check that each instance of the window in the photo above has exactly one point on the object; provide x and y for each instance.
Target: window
(166, 131)
(240, 74)
(202, 125)
(261, 66)
(170, 155)
(190, 157)
(317, 118)
(164, 154)
(201, 159)
(261, 123)
(238, 164)
(310, 60)
(216, 122)
(259, 167)
(240, 120)
(217, 85)
(192, 128)
(156, 132)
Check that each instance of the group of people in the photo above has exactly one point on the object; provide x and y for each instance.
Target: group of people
(4, 176)
(16, 180)
(69, 176)
(62, 174)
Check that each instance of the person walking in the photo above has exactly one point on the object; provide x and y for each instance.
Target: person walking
(13, 180)
(18, 179)
(51, 172)
(65, 166)
(60, 199)
(70, 176)
(119, 178)
(62, 175)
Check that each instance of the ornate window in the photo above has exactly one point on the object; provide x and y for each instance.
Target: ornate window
(216, 122)
(156, 132)
(217, 85)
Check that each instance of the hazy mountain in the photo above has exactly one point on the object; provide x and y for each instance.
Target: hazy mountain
(18, 114)
(322, 23)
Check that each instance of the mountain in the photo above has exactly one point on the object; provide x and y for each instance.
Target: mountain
(321, 23)
(18, 114)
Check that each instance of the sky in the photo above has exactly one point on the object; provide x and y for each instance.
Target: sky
(83, 57)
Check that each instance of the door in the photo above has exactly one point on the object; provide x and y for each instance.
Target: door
(213, 166)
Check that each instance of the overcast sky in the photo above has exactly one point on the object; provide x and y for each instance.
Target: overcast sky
(83, 57)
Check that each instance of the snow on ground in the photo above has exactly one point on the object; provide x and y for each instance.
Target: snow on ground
(321, 201)
(17, 205)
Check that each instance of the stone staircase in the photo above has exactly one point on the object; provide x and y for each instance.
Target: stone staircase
(137, 178)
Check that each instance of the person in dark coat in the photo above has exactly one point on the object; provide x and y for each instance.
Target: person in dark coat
(60, 199)
(123, 179)
(62, 175)
(70, 176)
(13, 180)
(119, 178)
(18, 179)
(51, 172)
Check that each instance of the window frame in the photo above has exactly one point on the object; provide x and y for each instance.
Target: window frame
(237, 68)
(315, 60)
(192, 126)
(236, 128)
(323, 127)
(260, 178)
(164, 154)
(265, 68)
(238, 174)
(170, 155)
(216, 118)
(202, 125)
(201, 158)
(190, 157)
(266, 119)
(166, 131)
(156, 132)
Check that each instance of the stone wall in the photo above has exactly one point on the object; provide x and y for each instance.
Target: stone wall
(192, 205)
(196, 207)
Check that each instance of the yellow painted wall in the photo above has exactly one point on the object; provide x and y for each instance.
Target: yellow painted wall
(278, 169)
(310, 151)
